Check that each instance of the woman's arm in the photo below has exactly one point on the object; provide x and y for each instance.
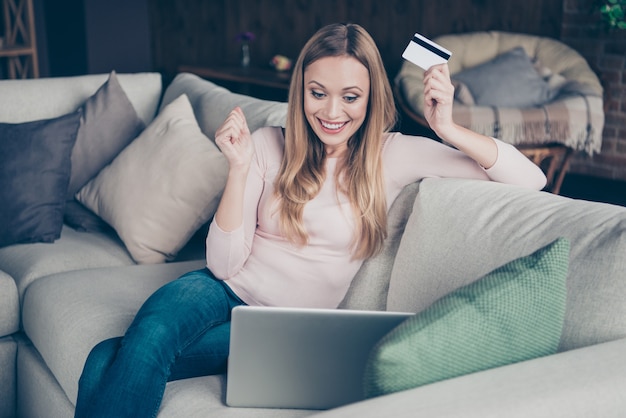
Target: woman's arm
(229, 240)
(439, 99)
(438, 103)
(234, 140)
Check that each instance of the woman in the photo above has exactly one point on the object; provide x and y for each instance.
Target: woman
(301, 210)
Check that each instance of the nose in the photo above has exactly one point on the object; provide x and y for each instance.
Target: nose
(333, 108)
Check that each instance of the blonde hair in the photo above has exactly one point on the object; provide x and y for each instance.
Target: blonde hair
(302, 173)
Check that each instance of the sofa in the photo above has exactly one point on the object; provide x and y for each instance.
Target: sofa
(137, 217)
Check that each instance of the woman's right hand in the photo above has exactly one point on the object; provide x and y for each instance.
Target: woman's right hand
(234, 140)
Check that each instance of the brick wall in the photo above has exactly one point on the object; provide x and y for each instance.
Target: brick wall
(606, 53)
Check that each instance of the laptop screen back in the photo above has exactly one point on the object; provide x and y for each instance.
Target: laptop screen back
(301, 358)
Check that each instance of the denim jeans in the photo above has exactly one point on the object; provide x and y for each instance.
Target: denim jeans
(181, 331)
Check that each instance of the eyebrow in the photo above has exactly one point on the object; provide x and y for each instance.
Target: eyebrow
(344, 89)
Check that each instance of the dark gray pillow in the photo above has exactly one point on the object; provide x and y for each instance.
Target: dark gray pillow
(34, 174)
(109, 123)
(508, 80)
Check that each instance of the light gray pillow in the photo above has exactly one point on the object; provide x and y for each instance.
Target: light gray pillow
(508, 80)
(162, 187)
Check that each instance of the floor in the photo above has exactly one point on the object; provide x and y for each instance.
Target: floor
(594, 189)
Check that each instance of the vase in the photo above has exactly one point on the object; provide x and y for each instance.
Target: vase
(245, 55)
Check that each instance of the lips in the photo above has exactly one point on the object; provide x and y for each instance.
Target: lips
(332, 127)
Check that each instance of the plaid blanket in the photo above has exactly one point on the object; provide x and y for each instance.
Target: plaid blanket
(573, 119)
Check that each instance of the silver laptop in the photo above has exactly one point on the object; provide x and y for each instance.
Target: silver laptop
(301, 358)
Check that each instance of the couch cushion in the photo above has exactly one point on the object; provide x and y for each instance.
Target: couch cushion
(212, 103)
(41, 396)
(73, 251)
(583, 383)
(161, 188)
(462, 229)
(44, 98)
(9, 305)
(8, 376)
(515, 313)
(66, 314)
(204, 397)
(34, 174)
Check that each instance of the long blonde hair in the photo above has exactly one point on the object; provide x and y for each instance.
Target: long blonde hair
(302, 173)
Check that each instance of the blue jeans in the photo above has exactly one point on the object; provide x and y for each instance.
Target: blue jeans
(181, 331)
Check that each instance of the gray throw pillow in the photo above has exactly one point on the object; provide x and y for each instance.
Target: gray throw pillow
(508, 80)
(108, 124)
(34, 174)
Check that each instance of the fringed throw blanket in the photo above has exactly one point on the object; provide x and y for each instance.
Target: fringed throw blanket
(575, 121)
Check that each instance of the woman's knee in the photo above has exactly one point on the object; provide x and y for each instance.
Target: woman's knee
(194, 284)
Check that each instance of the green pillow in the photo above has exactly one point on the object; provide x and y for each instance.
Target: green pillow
(514, 313)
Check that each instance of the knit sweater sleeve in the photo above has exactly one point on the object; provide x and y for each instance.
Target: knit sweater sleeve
(227, 251)
(411, 158)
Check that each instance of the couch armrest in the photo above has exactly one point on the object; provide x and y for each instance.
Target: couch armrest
(9, 305)
(586, 382)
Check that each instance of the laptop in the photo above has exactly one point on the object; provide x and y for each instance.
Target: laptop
(301, 358)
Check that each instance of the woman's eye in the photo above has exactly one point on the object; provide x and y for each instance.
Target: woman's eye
(317, 94)
(350, 99)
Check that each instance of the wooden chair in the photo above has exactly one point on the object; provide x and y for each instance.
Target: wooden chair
(551, 148)
(20, 44)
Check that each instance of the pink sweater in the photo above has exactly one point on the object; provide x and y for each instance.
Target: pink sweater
(263, 268)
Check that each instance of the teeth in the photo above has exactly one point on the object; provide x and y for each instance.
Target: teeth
(333, 126)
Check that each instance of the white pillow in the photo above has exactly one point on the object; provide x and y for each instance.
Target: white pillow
(162, 187)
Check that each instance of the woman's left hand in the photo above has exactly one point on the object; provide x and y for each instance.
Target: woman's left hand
(438, 98)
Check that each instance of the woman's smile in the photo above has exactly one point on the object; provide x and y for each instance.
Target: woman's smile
(332, 127)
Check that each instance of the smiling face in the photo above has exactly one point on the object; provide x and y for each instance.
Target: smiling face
(336, 94)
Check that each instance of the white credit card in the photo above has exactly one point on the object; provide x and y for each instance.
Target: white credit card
(425, 53)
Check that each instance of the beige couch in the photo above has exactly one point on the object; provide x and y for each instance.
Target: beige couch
(59, 299)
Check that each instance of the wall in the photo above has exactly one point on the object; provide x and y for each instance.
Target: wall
(63, 42)
(93, 36)
(118, 36)
(606, 53)
(199, 32)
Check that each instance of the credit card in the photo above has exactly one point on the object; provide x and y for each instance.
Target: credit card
(425, 53)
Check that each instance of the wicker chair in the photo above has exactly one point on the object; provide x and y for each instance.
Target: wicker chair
(549, 134)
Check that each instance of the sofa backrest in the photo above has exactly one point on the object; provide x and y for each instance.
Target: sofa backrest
(212, 104)
(370, 286)
(460, 230)
(45, 98)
